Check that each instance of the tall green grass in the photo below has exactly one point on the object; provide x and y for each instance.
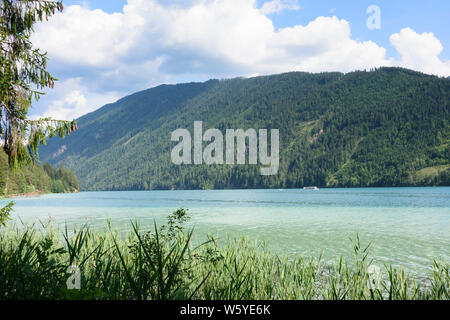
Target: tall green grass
(164, 264)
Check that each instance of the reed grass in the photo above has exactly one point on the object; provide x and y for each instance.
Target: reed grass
(165, 264)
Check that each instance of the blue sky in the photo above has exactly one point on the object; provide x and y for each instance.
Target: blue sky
(102, 50)
(423, 16)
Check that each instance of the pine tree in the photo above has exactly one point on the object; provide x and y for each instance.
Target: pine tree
(22, 75)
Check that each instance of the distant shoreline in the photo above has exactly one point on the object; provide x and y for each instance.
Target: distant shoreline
(34, 194)
(37, 194)
(279, 189)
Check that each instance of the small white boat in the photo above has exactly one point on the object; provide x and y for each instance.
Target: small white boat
(310, 188)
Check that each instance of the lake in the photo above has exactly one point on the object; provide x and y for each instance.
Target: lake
(409, 227)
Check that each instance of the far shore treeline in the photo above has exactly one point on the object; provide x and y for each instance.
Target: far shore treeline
(29, 179)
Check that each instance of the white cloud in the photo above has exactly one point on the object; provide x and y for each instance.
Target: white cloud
(207, 37)
(324, 44)
(420, 52)
(88, 37)
(64, 109)
(276, 6)
(71, 99)
(154, 41)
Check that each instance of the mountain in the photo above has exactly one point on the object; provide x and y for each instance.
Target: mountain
(387, 127)
(31, 179)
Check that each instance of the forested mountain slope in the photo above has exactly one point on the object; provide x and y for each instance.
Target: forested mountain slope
(388, 127)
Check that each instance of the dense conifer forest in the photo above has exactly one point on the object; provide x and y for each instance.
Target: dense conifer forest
(35, 179)
(386, 127)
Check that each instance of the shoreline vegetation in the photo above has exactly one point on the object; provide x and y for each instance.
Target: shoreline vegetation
(164, 264)
(34, 180)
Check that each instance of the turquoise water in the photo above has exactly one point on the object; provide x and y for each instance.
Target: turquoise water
(409, 227)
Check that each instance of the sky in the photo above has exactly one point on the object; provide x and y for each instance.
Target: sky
(102, 50)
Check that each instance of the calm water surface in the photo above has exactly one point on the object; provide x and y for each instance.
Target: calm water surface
(409, 227)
